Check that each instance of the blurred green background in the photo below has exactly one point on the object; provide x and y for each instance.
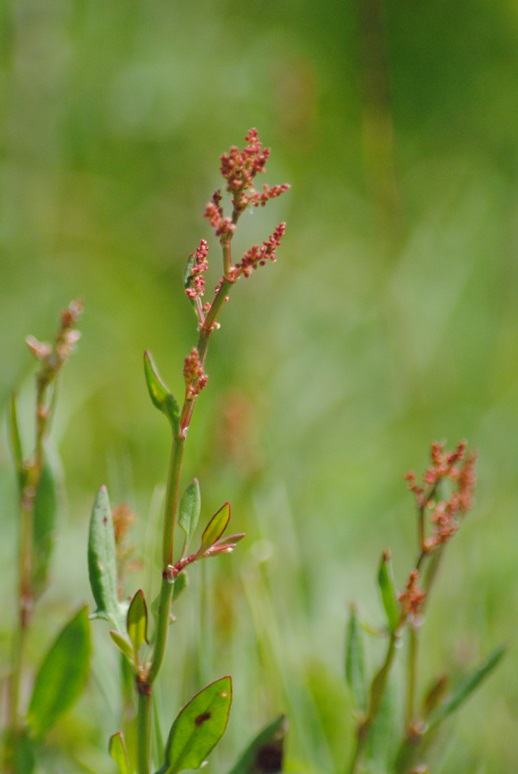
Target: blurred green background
(390, 320)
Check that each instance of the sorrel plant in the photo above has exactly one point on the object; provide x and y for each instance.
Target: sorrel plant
(442, 501)
(141, 630)
(203, 720)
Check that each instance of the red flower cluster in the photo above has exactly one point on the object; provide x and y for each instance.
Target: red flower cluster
(223, 227)
(194, 375)
(259, 255)
(412, 599)
(54, 356)
(455, 467)
(239, 169)
(198, 265)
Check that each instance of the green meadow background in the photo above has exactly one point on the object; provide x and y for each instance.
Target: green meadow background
(390, 320)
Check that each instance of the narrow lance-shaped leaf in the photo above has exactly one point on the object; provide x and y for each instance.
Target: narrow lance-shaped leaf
(102, 562)
(388, 592)
(266, 751)
(160, 396)
(45, 518)
(215, 528)
(61, 676)
(16, 442)
(466, 687)
(355, 661)
(198, 728)
(123, 644)
(118, 753)
(137, 623)
(190, 507)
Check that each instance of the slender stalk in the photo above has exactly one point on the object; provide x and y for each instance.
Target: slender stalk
(171, 500)
(208, 325)
(164, 611)
(27, 500)
(170, 519)
(432, 570)
(51, 358)
(24, 611)
(377, 693)
(144, 730)
(411, 688)
(239, 174)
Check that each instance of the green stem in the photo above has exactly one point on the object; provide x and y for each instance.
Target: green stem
(171, 500)
(27, 499)
(377, 693)
(208, 325)
(170, 519)
(16, 674)
(432, 570)
(164, 612)
(143, 729)
(411, 675)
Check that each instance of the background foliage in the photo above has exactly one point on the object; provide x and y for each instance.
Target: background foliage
(389, 321)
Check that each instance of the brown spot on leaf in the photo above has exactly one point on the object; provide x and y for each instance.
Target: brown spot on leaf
(269, 758)
(202, 718)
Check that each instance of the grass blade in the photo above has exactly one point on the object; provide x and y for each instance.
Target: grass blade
(467, 686)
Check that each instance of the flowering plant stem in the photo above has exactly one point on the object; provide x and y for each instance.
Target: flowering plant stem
(33, 557)
(377, 694)
(438, 520)
(238, 169)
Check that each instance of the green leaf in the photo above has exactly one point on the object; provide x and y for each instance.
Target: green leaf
(180, 584)
(62, 675)
(160, 395)
(467, 686)
(19, 749)
(45, 518)
(355, 661)
(388, 592)
(123, 644)
(215, 528)
(198, 728)
(118, 752)
(102, 563)
(16, 442)
(266, 752)
(190, 507)
(137, 623)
